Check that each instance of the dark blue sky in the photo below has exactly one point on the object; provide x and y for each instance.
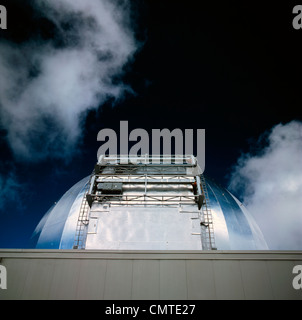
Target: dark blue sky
(232, 69)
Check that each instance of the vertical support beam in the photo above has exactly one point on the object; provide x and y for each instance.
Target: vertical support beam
(199, 193)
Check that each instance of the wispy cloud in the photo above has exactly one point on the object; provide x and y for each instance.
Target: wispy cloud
(271, 183)
(46, 86)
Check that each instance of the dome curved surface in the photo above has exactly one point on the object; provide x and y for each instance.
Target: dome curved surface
(234, 227)
(53, 231)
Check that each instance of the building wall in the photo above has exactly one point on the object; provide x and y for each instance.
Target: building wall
(140, 275)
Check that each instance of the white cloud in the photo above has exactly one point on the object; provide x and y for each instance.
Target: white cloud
(41, 112)
(271, 182)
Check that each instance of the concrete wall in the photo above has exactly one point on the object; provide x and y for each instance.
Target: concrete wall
(71, 274)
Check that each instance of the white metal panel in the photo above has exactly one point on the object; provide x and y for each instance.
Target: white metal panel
(64, 279)
(146, 281)
(228, 281)
(57, 274)
(93, 226)
(173, 280)
(200, 279)
(91, 279)
(260, 289)
(118, 283)
(145, 228)
(39, 271)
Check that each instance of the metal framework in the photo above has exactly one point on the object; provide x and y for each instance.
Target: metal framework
(151, 172)
(173, 181)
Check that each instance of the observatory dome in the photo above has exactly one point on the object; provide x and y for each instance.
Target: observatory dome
(142, 211)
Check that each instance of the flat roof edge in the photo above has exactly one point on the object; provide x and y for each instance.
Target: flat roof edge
(151, 255)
